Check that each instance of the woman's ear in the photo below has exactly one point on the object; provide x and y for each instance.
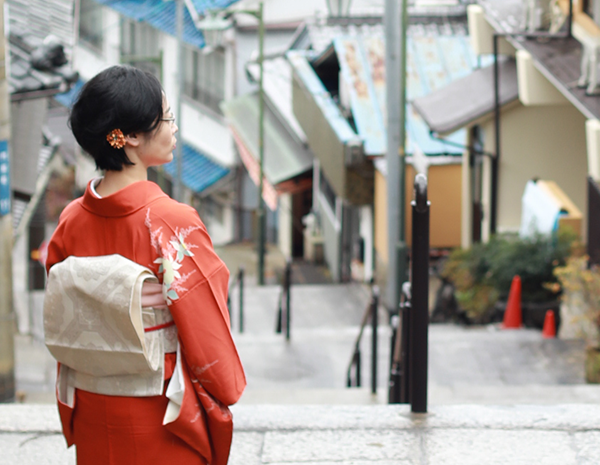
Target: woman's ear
(133, 139)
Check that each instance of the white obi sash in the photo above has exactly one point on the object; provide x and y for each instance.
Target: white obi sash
(95, 327)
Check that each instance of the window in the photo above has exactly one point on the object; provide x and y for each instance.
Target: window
(140, 47)
(90, 24)
(204, 77)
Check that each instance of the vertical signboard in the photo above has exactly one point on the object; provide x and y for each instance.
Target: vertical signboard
(4, 179)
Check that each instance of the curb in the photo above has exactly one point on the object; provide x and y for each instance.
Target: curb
(31, 418)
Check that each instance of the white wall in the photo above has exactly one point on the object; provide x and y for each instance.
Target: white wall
(209, 134)
(331, 228)
(90, 62)
(27, 119)
(169, 70)
(546, 142)
(221, 233)
(20, 277)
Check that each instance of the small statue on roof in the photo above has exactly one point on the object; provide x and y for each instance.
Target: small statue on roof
(49, 55)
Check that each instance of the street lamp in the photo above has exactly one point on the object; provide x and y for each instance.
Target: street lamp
(213, 27)
(219, 21)
(339, 8)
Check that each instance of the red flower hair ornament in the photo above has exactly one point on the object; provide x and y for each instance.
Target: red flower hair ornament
(116, 139)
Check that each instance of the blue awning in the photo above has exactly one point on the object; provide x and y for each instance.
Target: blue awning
(198, 171)
(161, 15)
(68, 98)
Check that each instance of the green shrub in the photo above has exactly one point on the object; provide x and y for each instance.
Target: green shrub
(484, 273)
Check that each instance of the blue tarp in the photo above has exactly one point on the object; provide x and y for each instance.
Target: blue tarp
(68, 98)
(161, 15)
(198, 171)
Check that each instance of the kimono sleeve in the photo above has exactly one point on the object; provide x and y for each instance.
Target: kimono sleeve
(195, 285)
(56, 246)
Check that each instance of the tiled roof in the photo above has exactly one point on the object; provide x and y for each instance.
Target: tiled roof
(27, 81)
(198, 171)
(439, 52)
(162, 15)
(465, 100)
(43, 17)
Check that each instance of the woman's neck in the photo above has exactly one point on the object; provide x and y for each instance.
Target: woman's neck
(114, 181)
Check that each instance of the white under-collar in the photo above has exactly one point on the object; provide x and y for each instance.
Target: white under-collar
(93, 186)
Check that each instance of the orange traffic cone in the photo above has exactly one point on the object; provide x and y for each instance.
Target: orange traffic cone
(512, 315)
(549, 330)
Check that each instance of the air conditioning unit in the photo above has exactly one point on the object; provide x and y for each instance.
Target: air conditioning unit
(534, 87)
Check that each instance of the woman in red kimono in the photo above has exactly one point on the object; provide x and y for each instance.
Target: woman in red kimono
(123, 120)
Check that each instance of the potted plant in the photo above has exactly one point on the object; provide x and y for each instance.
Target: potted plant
(580, 287)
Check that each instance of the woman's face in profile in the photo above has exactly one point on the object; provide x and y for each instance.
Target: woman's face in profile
(157, 148)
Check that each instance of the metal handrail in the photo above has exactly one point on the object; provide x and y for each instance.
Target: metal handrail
(398, 385)
(355, 360)
(408, 368)
(238, 279)
(284, 301)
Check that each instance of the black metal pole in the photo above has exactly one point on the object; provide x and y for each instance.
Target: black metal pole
(420, 297)
(357, 365)
(288, 286)
(495, 165)
(279, 322)
(241, 286)
(374, 326)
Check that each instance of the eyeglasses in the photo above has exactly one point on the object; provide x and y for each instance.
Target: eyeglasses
(170, 119)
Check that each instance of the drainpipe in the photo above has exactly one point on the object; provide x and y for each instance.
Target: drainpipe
(496, 160)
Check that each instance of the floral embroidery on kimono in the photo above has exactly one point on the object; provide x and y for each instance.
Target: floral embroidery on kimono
(171, 253)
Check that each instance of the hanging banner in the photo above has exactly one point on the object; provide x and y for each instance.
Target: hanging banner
(4, 179)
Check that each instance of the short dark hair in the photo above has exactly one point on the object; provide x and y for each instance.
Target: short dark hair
(120, 97)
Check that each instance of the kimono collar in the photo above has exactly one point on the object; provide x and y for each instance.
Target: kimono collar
(123, 202)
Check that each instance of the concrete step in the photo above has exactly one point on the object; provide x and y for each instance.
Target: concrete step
(296, 396)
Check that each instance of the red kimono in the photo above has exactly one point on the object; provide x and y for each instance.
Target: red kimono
(143, 224)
